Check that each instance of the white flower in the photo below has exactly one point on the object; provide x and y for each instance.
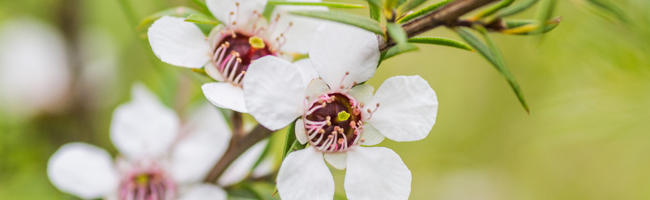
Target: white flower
(34, 74)
(162, 159)
(336, 118)
(231, 47)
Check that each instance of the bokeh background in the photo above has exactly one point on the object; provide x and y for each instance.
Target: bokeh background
(587, 83)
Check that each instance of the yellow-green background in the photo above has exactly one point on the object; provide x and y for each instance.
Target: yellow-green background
(587, 84)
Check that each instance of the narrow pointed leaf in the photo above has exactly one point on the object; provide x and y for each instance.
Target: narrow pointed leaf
(489, 52)
(176, 12)
(396, 50)
(529, 27)
(517, 8)
(374, 9)
(202, 7)
(327, 4)
(291, 143)
(546, 10)
(345, 18)
(423, 11)
(610, 8)
(410, 5)
(199, 18)
(440, 41)
(492, 9)
(397, 33)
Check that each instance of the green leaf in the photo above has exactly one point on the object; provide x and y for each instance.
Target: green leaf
(396, 50)
(375, 9)
(410, 5)
(610, 8)
(291, 143)
(327, 4)
(268, 10)
(342, 17)
(202, 7)
(397, 33)
(423, 11)
(492, 9)
(176, 12)
(440, 41)
(529, 27)
(199, 18)
(545, 12)
(491, 53)
(517, 8)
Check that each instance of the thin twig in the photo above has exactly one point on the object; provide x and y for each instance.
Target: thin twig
(236, 148)
(447, 15)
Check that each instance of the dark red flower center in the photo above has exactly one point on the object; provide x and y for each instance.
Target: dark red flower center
(235, 52)
(333, 122)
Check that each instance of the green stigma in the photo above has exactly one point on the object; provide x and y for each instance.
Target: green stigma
(342, 116)
(142, 179)
(256, 42)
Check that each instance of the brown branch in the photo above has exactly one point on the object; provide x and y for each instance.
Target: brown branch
(237, 147)
(447, 15)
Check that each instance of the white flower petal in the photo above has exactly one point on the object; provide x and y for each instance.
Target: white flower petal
(143, 128)
(225, 95)
(241, 167)
(315, 88)
(337, 160)
(307, 70)
(371, 136)
(221, 9)
(343, 48)
(362, 93)
(407, 108)
(301, 28)
(274, 92)
(301, 135)
(207, 139)
(178, 42)
(204, 192)
(376, 173)
(83, 170)
(213, 72)
(304, 175)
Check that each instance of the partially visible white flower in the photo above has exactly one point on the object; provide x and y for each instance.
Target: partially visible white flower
(231, 47)
(162, 159)
(337, 116)
(34, 73)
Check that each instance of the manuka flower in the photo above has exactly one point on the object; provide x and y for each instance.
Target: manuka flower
(337, 116)
(161, 159)
(231, 47)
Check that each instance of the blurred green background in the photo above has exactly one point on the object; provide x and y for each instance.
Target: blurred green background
(587, 83)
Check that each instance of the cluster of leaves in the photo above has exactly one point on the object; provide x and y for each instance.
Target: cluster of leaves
(387, 18)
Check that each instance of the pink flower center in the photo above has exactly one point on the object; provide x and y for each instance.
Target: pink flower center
(147, 185)
(333, 122)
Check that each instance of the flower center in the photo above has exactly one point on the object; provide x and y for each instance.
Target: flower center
(148, 185)
(235, 52)
(333, 122)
